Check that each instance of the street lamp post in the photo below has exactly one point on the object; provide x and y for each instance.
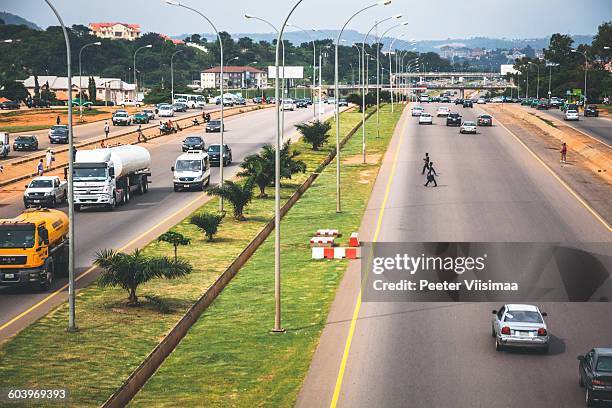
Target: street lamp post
(337, 97)
(314, 66)
(381, 38)
(71, 287)
(222, 146)
(538, 80)
(81, 78)
(135, 74)
(390, 66)
(172, 72)
(586, 70)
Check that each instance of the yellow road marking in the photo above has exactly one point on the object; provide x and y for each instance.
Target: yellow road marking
(351, 332)
(563, 183)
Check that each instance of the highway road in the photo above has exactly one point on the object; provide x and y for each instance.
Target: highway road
(440, 355)
(147, 216)
(600, 128)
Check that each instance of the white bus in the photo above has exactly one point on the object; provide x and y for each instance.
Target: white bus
(193, 101)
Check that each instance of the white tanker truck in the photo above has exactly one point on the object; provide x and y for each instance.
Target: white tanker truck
(107, 177)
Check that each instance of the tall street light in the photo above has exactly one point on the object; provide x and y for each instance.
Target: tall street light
(71, 287)
(337, 97)
(538, 81)
(222, 146)
(396, 58)
(135, 74)
(172, 72)
(98, 43)
(314, 65)
(586, 69)
(381, 38)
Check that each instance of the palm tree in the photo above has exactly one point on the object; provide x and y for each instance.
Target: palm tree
(175, 239)
(289, 163)
(238, 195)
(255, 166)
(129, 271)
(208, 223)
(315, 133)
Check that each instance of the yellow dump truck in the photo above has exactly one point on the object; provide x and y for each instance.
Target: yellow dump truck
(33, 248)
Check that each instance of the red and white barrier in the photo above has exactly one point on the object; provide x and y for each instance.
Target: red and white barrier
(322, 241)
(327, 233)
(335, 253)
(354, 240)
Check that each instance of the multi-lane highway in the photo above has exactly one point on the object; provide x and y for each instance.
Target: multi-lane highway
(438, 355)
(145, 217)
(600, 128)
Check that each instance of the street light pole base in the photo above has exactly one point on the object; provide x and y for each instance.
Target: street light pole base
(281, 330)
(72, 329)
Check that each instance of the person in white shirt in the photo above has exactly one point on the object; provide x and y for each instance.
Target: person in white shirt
(49, 158)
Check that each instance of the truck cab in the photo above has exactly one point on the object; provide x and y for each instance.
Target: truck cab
(191, 171)
(33, 248)
(45, 191)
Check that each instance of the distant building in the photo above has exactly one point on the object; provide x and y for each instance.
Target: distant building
(115, 31)
(107, 89)
(177, 42)
(507, 69)
(234, 77)
(477, 53)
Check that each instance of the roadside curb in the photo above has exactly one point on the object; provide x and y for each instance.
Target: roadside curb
(138, 378)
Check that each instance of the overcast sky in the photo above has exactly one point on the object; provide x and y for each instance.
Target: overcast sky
(428, 19)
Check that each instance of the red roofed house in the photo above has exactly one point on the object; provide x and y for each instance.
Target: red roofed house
(177, 42)
(115, 31)
(234, 77)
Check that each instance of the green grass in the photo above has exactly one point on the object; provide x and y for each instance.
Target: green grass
(17, 129)
(229, 357)
(113, 338)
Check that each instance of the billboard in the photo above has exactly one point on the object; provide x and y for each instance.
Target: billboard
(507, 69)
(289, 72)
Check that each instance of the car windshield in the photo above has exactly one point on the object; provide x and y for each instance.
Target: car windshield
(193, 140)
(571, 111)
(485, 117)
(425, 115)
(188, 165)
(90, 173)
(165, 107)
(59, 127)
(604, 363)
(24, 139)
(215, 122)
(469, 124)
(522, 316)
(121, 115)
(214, 148)
(41, 183)
(17, 236)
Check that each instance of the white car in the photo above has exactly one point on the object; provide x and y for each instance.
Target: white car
(571, 115)
(442, 111)
(46, 191)
(165, 111)
(417, 111)
(468, 127)
(150, 113)
(130, 102)
(425, 119)
(516, 325)
(289, 105)
(481, 101)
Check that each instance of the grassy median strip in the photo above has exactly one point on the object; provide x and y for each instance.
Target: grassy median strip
(229, 357)
(114, 338)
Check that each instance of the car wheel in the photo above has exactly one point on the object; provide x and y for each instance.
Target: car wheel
(77, 207)
(492, 331)
(208, 182)
(588, 399)
(580, 380)
(53, 202)
(46, 284)
(113, 203)
(176, 189)
(545, 349)
(498, 346)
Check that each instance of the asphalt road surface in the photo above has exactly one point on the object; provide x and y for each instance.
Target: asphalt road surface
(440, 355)
(245, 134)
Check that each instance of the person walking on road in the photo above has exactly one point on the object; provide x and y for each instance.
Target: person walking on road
(106, 129)
(563, 153)
(50, 157)
(431, 175)
(57, 120)
(40, 169)
(426, 165)
(141, 136)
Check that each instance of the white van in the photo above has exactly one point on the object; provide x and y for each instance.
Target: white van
(191, 170)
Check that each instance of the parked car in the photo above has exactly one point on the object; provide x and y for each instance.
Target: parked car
(467, 103)
(214, 153)
(58, 134)
(214, 126)
(595, 375)
(165, 111)
(9, 105)
(591, 110)
(141, 118)
(194, 143)
(425, 119)
(37, 103)
(442, 111)
(130, 102)
(122, 118)
(485, 120)
(25, 142)
(417, 111)
(45, 191)
(468, 127)
(453, 119)
(179, 107)
(517, 325)
(150, 113)
(571, 115)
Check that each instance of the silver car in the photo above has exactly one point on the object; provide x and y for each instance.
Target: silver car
(516, 325)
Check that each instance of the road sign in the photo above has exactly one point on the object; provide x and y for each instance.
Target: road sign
(289, 72)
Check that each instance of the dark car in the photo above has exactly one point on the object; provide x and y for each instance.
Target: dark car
(26, 142)
(445, 99)
(141, 118)
(542, 105)
(58, 134)
(37, 103)
(591, 110)
(214, 126)
(214, 154)
(458, 101)
(240, 101)
(453, 119)
(569, 106)
(485, 120)
(342, 102)
(194, 143)
(179, 107)
(301, 103)
(9, 105)
(595, 375)
(257, 100)
(468, 103)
